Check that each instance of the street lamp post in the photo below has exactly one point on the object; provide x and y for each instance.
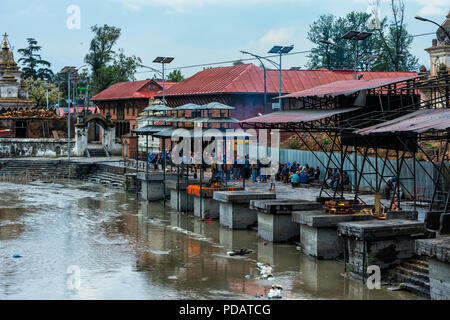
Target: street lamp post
(163, 61)
(431, 21)
(280, 50)
(46, 94)
(70, 71)
(265, 77)
(356, 36)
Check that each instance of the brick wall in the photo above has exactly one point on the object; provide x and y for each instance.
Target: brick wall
(123, 110)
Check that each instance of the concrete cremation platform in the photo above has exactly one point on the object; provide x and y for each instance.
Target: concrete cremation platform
(275, 222)
(437, 252)
(318, 232)
(209, 208)
(152, 185)
(174, 186)
(234, 209)
(384, 243)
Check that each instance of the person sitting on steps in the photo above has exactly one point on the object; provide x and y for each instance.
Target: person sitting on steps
(295, 179)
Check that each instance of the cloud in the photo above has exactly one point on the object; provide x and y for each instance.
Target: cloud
(427, 7)
(433, 7)
(181, 6)
(279, 35)
(432, 11)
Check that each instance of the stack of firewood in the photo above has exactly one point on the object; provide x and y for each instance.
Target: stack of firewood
(339, 207)
(30, 114)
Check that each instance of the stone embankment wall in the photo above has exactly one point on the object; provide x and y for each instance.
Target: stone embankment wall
(44, 147)
(44, 169)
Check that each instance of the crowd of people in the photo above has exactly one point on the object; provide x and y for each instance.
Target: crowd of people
(336, 178)
(296, 174)
(258, 171)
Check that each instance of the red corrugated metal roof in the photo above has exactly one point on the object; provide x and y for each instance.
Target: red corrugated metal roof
(304, 115)
(132, 90)
(346, 87)
(248, 78)
(419, 121)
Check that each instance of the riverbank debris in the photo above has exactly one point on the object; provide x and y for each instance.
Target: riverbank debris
(275, 292)
(265, 271)
(240, 252)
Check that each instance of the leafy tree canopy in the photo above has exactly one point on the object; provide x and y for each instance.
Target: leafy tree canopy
(33, 65)
(175, 76)
(108, 66)
(37, 90)
(386, 50)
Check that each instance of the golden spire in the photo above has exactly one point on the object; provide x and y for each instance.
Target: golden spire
(5, 41)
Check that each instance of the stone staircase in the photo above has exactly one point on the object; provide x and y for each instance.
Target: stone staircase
(413, 276)
(97, 153)
(106, 178)
(34, 169)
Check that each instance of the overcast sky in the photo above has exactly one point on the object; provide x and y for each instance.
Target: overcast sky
(192, 31)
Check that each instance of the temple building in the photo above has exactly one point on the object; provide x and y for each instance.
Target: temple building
(434, 89)
(19, 116)
(440, 48)
(13, 95)
(124, 101)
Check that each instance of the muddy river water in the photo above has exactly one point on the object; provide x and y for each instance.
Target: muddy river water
(121, 248)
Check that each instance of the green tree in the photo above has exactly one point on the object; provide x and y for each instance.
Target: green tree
(37, 90)
(393, 43)
(388, 46)
(339, 55)
(237, 62)
(175, 76)
(33, 65)
(109, 67)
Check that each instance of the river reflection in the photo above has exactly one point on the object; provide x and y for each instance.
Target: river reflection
(131, 249)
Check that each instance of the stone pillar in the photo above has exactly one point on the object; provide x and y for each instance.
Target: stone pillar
(109, 134)
(81, 140)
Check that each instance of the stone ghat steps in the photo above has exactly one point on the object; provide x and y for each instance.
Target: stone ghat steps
(418, 290)
(414, 276)
(419, 266)
(406, 275)
(97, 153)
(106, 178)
(34, 169)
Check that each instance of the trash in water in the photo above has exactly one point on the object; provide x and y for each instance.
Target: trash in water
(17, 256)
(275, 292)
(265, 270)
(240, 252)
(248, 276)
(395, 288)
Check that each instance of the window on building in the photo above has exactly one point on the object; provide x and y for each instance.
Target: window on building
(21, 129)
